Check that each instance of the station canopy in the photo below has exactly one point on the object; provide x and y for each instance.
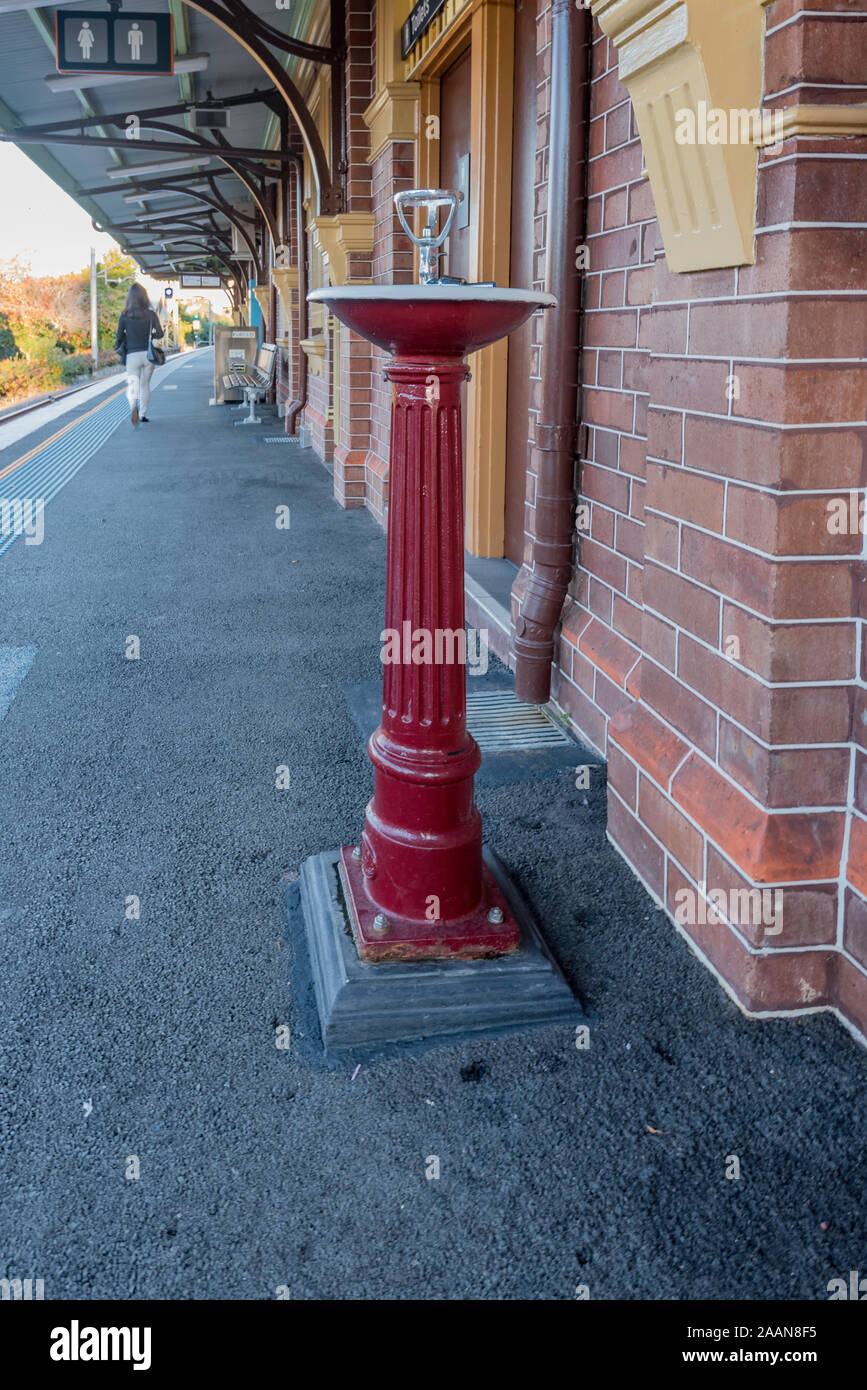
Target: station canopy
(179, 169)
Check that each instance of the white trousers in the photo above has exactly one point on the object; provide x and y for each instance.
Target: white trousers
(138, 380)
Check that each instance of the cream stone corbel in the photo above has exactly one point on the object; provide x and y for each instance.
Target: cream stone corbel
(263, 299)
(337, 236)
(674, 55)
(314, 350)
(392, 115)
(285, 277)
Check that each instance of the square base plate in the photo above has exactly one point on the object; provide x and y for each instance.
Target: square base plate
(469, 938)
(395, 1001)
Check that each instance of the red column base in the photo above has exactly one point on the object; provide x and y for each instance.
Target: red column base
(474, 937)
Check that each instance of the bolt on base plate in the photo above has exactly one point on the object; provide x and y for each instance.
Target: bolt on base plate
(489, 932)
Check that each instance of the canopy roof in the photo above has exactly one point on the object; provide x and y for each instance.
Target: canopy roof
(119, 168)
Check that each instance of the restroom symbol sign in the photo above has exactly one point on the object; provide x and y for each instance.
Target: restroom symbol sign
(89, 40)
(137, 38)
(132, 41)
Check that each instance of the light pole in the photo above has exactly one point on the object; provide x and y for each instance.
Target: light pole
(94, 327)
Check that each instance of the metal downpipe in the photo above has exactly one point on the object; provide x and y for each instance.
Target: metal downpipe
(550, 564)
(294, 410)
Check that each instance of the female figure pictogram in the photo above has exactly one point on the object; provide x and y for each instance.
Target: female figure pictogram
(85, 40)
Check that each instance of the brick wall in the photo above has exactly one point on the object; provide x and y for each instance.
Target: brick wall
(713, 652)
(317, 412)
(361, 452)
(353, 429)
(602, 622)
(392, 171)
(288, 358)
(540, 224)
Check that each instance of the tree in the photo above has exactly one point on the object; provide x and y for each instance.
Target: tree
(8, 346)
(114, 275)
(45, 322)
(28, 307)
(45, 314)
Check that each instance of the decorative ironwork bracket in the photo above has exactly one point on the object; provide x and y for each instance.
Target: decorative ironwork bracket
(259, 38)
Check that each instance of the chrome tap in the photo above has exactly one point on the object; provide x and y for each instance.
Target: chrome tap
(430, 240)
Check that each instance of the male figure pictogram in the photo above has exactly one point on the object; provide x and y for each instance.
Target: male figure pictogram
(135, 39)
(85, 40)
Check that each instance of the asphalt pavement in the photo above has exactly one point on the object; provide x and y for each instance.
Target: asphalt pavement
(155, 1141)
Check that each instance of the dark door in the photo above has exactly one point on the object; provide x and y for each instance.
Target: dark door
(454, 173)
(454, 160)
(521, 273)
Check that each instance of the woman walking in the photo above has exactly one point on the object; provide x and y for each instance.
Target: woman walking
(136, 326)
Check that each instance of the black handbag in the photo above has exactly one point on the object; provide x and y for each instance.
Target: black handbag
(155, 354)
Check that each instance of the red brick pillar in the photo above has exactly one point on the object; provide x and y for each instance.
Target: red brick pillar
(392, 171)
(288, 316)
(741, 767)
(352, 429)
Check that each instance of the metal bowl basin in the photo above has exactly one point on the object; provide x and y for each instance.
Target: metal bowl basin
(420, 320)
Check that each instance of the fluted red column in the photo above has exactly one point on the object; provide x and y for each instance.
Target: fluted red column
(417, 885)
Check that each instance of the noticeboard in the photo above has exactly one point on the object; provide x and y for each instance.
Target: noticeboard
(122, 41)
(232, 348)
(200, 282)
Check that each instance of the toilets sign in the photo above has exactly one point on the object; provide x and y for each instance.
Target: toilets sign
(101, 41)
(419, 19)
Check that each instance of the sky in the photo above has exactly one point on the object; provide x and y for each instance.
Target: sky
(43, 225)
(40, 222)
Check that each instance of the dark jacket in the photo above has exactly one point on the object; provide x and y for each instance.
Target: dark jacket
(133, 333)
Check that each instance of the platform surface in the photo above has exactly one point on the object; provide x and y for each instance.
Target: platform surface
(263, 1166)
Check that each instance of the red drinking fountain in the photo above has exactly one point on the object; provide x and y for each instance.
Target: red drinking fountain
(394, 920)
